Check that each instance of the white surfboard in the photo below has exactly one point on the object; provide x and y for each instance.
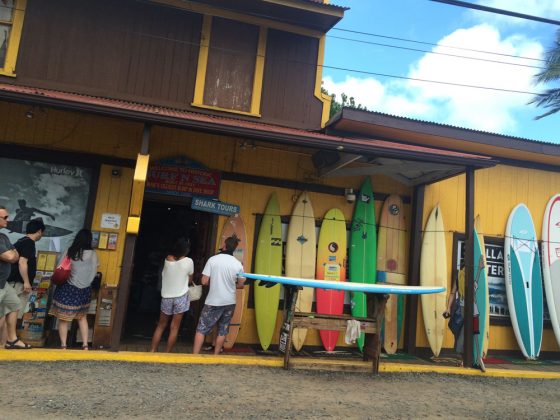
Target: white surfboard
(551, 261)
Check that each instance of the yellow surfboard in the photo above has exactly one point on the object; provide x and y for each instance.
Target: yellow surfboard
(391, 259)
(268, 260)
(301, 253)
(433, 272)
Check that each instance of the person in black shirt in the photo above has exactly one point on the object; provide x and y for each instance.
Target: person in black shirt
(23, 272)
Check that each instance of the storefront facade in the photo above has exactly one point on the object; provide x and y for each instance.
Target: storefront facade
(152, 105)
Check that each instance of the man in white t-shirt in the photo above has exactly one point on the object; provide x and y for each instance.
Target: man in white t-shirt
(221, 273)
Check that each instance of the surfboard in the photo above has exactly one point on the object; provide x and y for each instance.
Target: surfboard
(551, 261)
(318, 284)
(481, 297)
(331, 266)
(363, 244)
(523, 281)
(433, 272)
(486, 336)
(301, 254)
(391, 259)
(234, 225)
(268, 260)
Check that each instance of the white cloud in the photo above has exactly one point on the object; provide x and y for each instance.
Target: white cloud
(466, 107)
(542, 8)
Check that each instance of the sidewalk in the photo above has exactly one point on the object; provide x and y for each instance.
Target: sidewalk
(532, 370)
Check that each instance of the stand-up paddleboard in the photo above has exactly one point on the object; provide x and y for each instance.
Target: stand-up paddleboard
(346, 286)
(234, 226)
(391, 259)
(331, 266)
(433, 272)
(268, 260)
(301, 254)
(523, 281)
(486, 337)
(551, 261)
(363, 244)
(481, 298)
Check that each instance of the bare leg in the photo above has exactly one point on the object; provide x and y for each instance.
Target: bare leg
(3, 332)
(198, 341)
(162, 324)
(11, 323)
(83, 325)
(173, 331)
(63, 332)
(219, 343)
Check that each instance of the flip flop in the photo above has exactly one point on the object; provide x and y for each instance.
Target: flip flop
(11, 345)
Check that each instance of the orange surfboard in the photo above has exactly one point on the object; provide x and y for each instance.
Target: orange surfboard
(234, 225)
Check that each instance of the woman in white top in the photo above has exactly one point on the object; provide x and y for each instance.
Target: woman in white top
(175, 279)
(71, 300)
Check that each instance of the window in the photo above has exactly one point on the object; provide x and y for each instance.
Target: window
(11, 23)
(230, 66)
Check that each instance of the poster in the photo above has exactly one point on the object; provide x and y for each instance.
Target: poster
(496, 277)
(56, 193)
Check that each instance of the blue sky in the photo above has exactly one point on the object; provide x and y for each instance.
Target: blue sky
(444, 25)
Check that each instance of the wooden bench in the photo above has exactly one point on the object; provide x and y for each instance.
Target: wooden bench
(370, 325)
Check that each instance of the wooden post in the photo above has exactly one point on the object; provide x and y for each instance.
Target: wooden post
(132, 228)
(414, 268)
(469, 268)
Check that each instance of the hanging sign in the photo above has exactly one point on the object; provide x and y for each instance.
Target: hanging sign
(183, 181)
(214, 206)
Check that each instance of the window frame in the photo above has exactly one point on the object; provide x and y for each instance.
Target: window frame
(198, 100)
(9, 65)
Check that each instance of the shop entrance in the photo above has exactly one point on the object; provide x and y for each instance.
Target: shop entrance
(161, 225)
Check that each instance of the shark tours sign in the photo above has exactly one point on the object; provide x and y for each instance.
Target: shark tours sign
(214, 206)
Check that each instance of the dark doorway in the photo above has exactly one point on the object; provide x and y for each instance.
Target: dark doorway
(162, 223)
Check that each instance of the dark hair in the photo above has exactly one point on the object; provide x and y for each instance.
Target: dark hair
(231, 243)
(34, 226)
(81, 242)
(3, 208)
(181, 248)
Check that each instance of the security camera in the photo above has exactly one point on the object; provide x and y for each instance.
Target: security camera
(350, 196)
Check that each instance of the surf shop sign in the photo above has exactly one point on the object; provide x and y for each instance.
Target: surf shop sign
(181, 180)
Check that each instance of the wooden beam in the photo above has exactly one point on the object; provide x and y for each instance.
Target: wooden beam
(469, 268)
(332, 170)
(414, 268)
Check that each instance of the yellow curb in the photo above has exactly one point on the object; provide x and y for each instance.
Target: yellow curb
(52, 355)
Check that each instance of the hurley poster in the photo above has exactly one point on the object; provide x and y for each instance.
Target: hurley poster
(54, 192)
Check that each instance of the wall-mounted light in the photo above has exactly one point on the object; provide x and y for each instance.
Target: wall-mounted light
(349, 195)
(116, 172)
(29, 114)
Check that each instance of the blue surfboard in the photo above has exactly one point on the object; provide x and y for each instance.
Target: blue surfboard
(523, 281)
(347, 286)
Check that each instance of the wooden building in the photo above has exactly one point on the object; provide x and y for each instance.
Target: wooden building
(229, 91)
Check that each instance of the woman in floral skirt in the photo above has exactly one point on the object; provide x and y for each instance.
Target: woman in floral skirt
(71, 300)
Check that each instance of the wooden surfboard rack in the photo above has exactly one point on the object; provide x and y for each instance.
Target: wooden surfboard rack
(370, 325)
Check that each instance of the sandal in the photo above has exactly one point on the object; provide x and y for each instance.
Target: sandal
(211, 348)
(85, 347)
(62, 347)
(11, 345)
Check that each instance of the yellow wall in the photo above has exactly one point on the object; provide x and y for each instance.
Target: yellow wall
(113, 196)
(497, 191)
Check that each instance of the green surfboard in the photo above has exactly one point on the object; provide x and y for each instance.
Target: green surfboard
(268, 260)
(363, 250)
